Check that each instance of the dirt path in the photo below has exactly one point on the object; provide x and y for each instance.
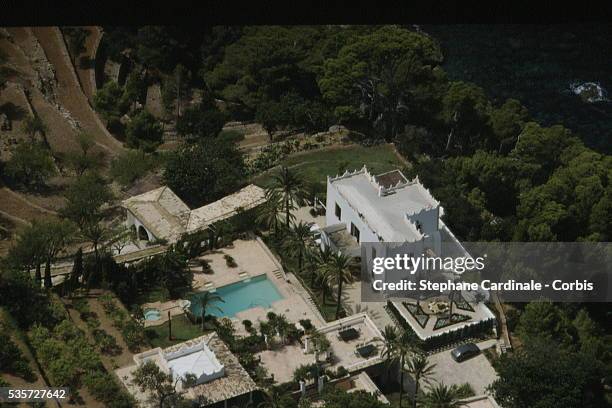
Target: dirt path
(13, 204)
(70, 94)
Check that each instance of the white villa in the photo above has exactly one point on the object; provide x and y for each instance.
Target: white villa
(362, 207)
(399, 216)
(161, 215)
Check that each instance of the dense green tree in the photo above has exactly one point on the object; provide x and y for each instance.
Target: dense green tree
(507, 122)
(171, 271)
(214, 44)
(543, 320)
(12, 359)
(84, 158)
(541, 375)
(204, 172)
(30, 165)
(562, 208)
(135, 89)
(109, 101)
(57, 234)
(144, 132)
(465, 111)
(542, 148)
(272, 115)
(265, 63)
(157, 48)
(336, 398)
(203, 120)
(84, 206)
(161, 387)
(376, 76)
(28, 251)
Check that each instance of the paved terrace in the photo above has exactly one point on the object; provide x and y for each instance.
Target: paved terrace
(253, 258)
(283, 361)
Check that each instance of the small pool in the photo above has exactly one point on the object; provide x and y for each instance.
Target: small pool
(254, 292)
(152, 315)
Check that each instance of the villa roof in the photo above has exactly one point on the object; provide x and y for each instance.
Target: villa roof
(166, 216)
(234, 382)
(385, 200)
(249, 197)
(161, 211)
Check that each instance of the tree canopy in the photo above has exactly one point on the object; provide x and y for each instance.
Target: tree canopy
(204, 172)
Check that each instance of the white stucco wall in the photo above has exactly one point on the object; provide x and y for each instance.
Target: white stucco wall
(131, 220)
(348, 215)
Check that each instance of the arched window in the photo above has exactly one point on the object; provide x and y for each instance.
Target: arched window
(142, 234)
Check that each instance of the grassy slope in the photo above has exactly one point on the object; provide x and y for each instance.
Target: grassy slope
(315, 166)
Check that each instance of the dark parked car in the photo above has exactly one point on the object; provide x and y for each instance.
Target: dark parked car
(465, 351)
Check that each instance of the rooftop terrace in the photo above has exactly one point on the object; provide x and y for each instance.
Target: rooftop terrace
(384, 200)
(209, 354)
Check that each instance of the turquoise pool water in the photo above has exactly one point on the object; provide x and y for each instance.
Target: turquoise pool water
(258, 291)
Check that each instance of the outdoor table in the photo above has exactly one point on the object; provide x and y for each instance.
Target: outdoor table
(349, 334)
(366, 351)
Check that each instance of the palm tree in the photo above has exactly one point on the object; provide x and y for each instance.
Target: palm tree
(441, 396)
(217, 232)
(291, 189)
(298, 241)
(389, 338)
(320, 343)
(205, 301)
(339, 269)
(282, 326)
(319, 259)
(420, 369)
(397, 349)
(270, 214)
(323, 279)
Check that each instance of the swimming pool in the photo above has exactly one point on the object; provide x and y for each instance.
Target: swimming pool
(258, 291)
(152, 315)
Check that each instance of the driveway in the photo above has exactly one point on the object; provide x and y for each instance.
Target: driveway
(477, 371)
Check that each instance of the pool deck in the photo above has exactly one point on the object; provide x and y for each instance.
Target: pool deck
(253, 258)
(172, 306)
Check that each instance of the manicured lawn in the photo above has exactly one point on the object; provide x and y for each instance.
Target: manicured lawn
(182, 330)
(317, 165)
